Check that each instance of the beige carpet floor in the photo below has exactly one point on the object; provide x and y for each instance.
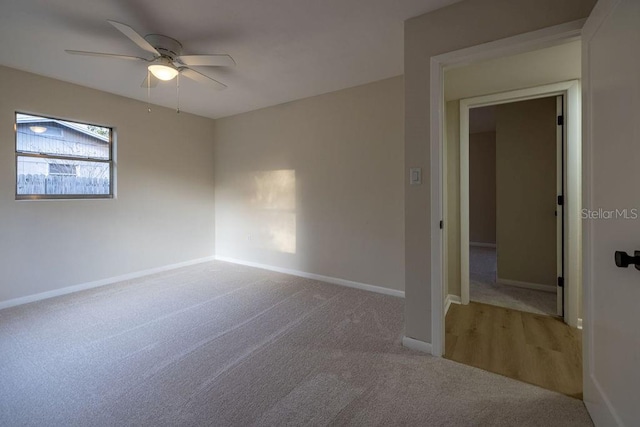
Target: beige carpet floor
(483, 287)
(219, 344)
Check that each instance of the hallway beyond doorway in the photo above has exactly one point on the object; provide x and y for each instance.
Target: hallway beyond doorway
(484, 289)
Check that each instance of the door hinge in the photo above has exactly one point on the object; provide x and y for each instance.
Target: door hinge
(441, 224)
(561, 200)
(561, 282)
(560, 120)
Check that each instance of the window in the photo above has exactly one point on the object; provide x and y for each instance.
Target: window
(62, 169)
(58, 159)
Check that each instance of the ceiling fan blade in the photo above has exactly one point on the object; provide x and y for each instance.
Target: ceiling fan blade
(135, 37)
(207, 60)
(104, 55)
(152, 82)
(201, 78)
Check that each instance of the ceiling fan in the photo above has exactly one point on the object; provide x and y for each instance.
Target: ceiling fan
(167, 61)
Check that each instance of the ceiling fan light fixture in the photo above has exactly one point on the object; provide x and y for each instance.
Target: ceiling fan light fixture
(164, 71)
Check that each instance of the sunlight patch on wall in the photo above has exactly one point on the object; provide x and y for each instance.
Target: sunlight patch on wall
(274, 203)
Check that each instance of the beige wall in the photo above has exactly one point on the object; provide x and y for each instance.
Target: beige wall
(460, 25)
(316, 185)
(526, 191)
(482, 187)
(163, 213)
(535, 68)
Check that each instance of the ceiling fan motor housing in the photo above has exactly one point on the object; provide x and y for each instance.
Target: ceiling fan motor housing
(167, 46)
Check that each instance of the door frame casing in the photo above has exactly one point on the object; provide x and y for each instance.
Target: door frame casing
(571, 190)
(561, 178)
(547, 37)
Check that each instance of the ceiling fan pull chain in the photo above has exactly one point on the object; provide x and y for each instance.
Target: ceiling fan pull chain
(148, 91)
(178, 92)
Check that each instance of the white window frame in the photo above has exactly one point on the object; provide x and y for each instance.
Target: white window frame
(110, 161)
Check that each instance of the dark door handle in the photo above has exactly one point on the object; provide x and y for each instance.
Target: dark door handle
(624, 260)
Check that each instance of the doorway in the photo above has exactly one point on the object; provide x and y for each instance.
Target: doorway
(556, 216)
(515, 218)
(440, 298)
(539, 348)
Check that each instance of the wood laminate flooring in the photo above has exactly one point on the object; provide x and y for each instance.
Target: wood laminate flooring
(537, 349)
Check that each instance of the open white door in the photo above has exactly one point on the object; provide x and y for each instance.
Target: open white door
(611, 72)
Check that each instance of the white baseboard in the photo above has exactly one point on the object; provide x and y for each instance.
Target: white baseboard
(95, 284)
(536, 286)
(451, 299)
(417, 345)
(483, 245)
(598, 404)
(328, 279)
(579, 325)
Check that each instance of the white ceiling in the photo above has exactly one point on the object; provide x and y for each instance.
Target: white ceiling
(284, 49)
